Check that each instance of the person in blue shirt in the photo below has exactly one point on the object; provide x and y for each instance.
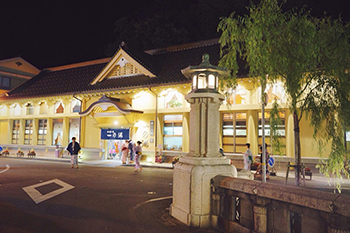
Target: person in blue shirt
(131, 147)
(73, 148)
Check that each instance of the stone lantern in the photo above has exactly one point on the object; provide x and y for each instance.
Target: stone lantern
(193, 172)
(205, 77)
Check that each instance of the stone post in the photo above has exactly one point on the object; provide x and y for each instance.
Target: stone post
(193, 172)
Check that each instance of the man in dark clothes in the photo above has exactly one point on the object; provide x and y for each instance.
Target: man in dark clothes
(73, 148)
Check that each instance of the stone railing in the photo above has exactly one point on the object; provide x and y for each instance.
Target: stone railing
(240, 205)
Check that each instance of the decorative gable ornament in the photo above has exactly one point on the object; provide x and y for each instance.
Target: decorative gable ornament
(122, 65)
(122, 62)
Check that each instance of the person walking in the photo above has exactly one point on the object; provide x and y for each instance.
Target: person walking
(125, 151)
(131, 148)
(138, 154)
(260, 167)
(247, 157)
(73, 148)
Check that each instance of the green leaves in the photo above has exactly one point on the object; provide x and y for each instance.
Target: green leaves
(312, 57)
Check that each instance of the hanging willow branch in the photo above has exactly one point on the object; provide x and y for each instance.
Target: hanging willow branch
(275, 122)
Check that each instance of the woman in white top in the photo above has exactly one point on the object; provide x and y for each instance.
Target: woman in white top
(138, 154)
(125, 151)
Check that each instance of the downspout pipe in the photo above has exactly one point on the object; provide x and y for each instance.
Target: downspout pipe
(81, 105)
(156, 124)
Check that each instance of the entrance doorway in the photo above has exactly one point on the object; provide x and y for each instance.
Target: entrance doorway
(113, 149)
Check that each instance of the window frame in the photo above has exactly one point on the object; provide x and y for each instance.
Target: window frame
(15, 131)
(28, 131)
(42, 126)
(173, 123)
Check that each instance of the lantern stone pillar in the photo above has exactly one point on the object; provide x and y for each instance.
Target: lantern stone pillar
(192, 174)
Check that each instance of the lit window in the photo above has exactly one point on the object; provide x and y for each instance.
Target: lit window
(234, 132)
(15, 131)
(28, 132)
(211, 81)
(172, 132)
(74, 125)
(57, 133)
(75, 106)
(42, 131)
(30, 109)
(59, 107)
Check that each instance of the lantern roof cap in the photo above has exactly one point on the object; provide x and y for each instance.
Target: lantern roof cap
(204, 66)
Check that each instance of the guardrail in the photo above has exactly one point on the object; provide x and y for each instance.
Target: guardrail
(240, 205)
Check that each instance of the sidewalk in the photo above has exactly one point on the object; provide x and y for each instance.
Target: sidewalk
(107, 163)
(318, 181)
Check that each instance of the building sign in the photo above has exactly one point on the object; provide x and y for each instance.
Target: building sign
(115, 134)
(151, 128)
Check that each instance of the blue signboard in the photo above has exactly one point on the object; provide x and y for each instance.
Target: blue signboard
(0, 148)
(115, 134)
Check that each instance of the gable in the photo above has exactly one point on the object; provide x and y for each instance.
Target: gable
(122, 65)
(18, 65)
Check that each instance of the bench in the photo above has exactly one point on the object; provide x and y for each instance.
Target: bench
(304, 172)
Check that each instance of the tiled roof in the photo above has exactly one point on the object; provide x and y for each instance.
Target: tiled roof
(166, 65)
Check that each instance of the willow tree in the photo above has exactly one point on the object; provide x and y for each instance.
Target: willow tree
(310, 55)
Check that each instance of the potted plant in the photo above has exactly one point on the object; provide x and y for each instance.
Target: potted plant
(6, 153)
(175, 160)
(31, 153)
(20, 153)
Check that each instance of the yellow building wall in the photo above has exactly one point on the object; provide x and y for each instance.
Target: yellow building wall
(92, 134)
(143, 101)
(146, 102)
(142, 130)
(4, 129)
(308, 145)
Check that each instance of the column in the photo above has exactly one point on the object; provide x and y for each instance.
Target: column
(65, 131)
(252, 131)
(9, 132)
(21, 131)
(289, 134)
(185, 132)
(260, 218)
(49, 132)
(35, 132)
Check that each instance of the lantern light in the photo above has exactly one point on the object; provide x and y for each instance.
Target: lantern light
(205, 77)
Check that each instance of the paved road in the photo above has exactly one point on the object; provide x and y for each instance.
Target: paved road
(103, 199)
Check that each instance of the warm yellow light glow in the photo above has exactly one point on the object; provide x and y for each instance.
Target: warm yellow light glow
(195, 82)
(202, 82)
(149, 160)
(211, 81)
(115, 123)
(141, 94)
(140, 124)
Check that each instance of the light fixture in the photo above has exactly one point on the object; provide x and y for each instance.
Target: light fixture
(205, 77)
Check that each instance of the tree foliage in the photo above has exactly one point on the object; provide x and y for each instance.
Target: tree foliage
(311, 56)
(165, 23)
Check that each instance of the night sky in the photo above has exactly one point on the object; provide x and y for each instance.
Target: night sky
(53, 33)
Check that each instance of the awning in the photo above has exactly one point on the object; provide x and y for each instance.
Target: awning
(105, 102)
